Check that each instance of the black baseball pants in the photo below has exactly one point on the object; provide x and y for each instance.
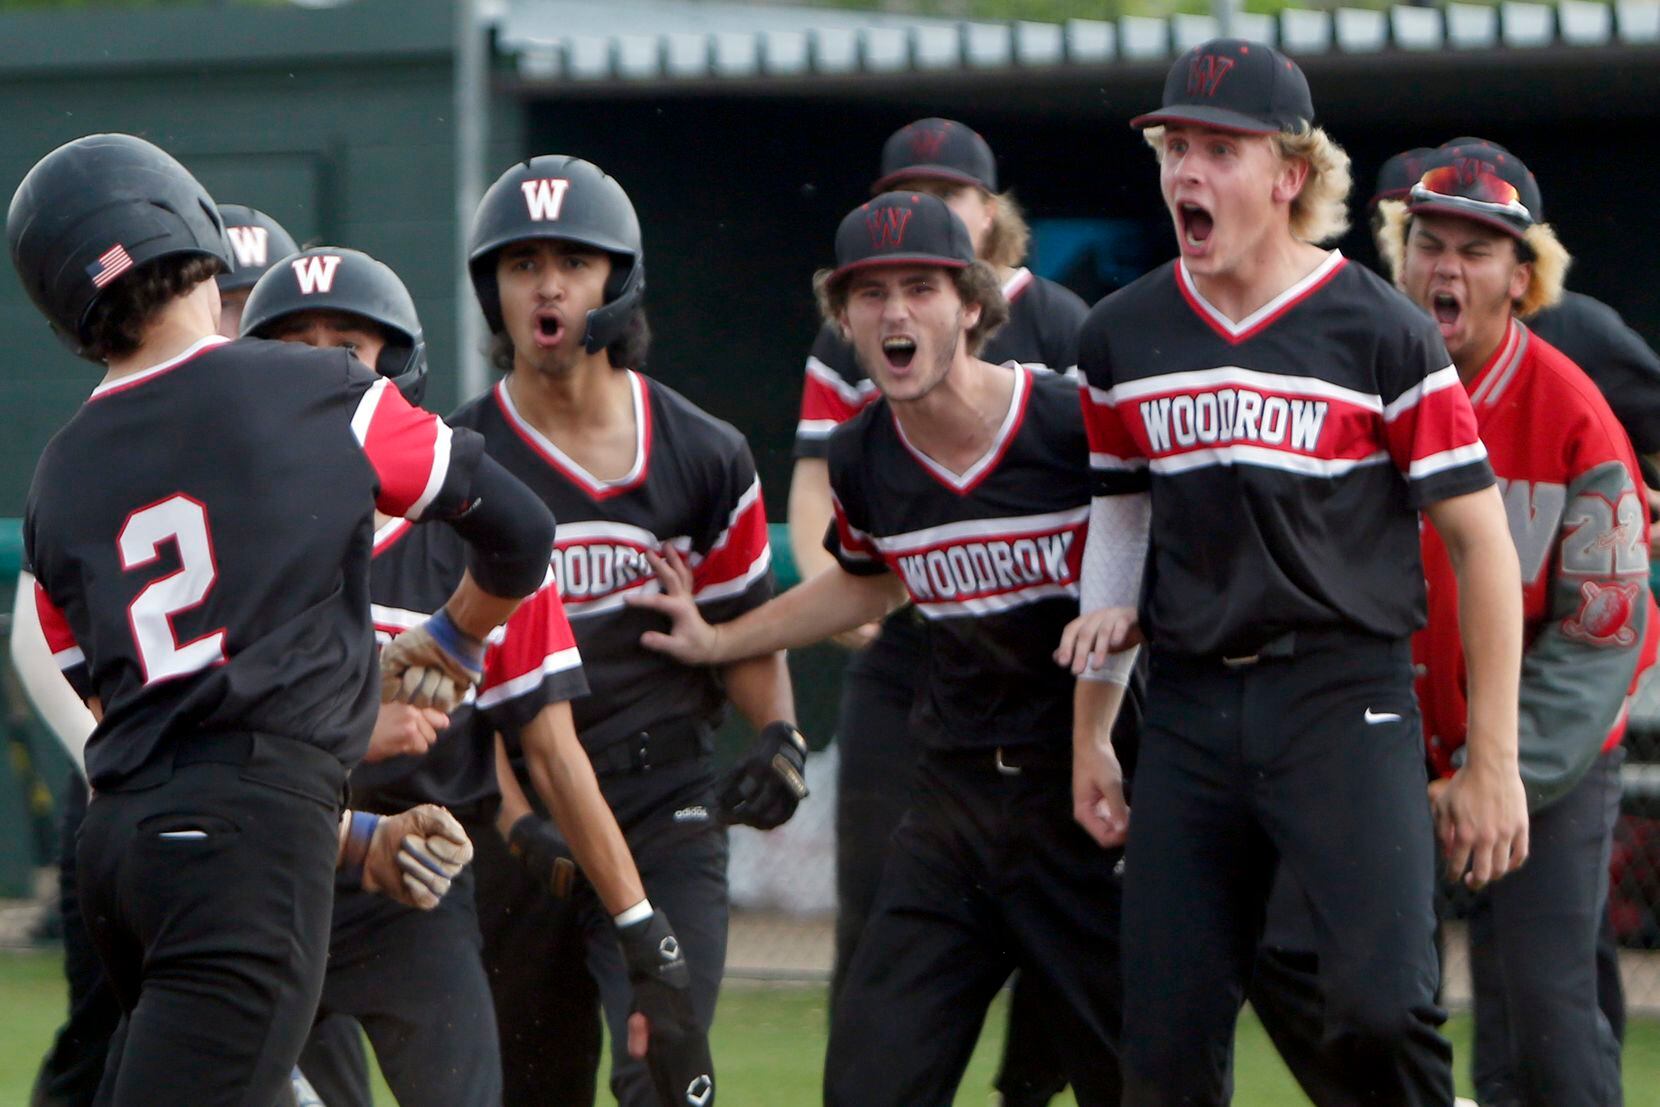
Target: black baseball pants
(208, 896)
(987, 874)
(1542, 1039)
(667, 815)
(1312, 759)
(415, 982)
(877, 755)
(70, 1073)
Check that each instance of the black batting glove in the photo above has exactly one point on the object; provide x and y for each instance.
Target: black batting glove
(677, 1051)
(546, 855)
(768, 782)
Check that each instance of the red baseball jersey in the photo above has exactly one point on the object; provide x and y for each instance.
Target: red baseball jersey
(1574, 500)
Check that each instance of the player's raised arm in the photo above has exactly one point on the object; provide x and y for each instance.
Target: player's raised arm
(429, 470)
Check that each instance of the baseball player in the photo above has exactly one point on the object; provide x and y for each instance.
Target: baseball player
(257, 242)
(1468, 245)
(1285, 991)
(403, 973)
(1591, 333)
(963, 489)
(226, 647)
(631, 469)
(70, 1072)
(878, 749)
(1284, 415)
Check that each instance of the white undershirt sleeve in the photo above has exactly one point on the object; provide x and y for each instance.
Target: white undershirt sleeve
(1114, 554)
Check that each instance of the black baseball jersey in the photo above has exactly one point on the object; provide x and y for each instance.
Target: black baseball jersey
(990, 557)
(200, 532)
(1287, 454)
(1042, 333)
(1614, 356)
(529, 662)
(693, 486)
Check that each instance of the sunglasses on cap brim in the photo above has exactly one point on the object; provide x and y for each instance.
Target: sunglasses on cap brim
(1480, 193)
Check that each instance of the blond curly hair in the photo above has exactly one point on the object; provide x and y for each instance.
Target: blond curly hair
(1540, 246)
(1320, 212)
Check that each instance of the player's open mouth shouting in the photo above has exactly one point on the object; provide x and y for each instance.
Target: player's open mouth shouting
(550, 328)
(1196, 224)
(1448, 308)
(900, 350)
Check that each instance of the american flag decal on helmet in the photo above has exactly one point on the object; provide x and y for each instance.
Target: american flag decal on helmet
(114, 262)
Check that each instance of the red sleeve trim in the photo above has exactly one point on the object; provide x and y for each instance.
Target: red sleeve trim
(55, 628)
(409, 449)
(739, 555)
(535, 643)
(1432, 427)
(1111, 445)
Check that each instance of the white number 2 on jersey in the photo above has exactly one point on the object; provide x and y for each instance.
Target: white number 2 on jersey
(151, 613)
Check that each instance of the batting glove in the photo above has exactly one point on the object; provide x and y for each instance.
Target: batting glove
(768, 783)
(411, 857)
(677, 1052)
(431, 665)
(544, 854)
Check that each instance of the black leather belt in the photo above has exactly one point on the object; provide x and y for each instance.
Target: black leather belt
(664, 744)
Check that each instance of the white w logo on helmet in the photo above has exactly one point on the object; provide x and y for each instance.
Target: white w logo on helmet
(251, 245)
(545, 197)
(316, 274)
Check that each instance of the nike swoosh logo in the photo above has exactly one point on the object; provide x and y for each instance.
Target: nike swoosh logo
(1373, 718)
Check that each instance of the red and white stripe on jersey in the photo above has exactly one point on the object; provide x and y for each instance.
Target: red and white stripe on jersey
(597, 562)
(55, 628)
(980, 566)
(739, 555)
(1501, 368)
(409, 449)
(1432, 428)
(594, 486)
(1177, 422)
(535, 643)
(828, 401)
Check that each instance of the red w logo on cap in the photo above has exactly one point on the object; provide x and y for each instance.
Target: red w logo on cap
(926, 142)
(887, 227)
(1205, 73)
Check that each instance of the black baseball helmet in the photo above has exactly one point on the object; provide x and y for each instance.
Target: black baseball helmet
(562, 197)
(331, 278)
(95, 208)
(256, 240)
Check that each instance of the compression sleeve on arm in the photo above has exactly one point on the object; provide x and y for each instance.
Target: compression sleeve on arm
(1114, 554)
(508, 530)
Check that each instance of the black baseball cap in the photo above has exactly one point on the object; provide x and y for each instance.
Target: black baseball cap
(1399, 174)
(1233, 84)
(1480, 181)
(939, 150)
(901, 228)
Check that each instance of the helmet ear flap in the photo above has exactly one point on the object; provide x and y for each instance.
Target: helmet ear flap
(607, 324)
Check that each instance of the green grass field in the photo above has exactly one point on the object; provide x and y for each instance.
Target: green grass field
(769, 1041)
